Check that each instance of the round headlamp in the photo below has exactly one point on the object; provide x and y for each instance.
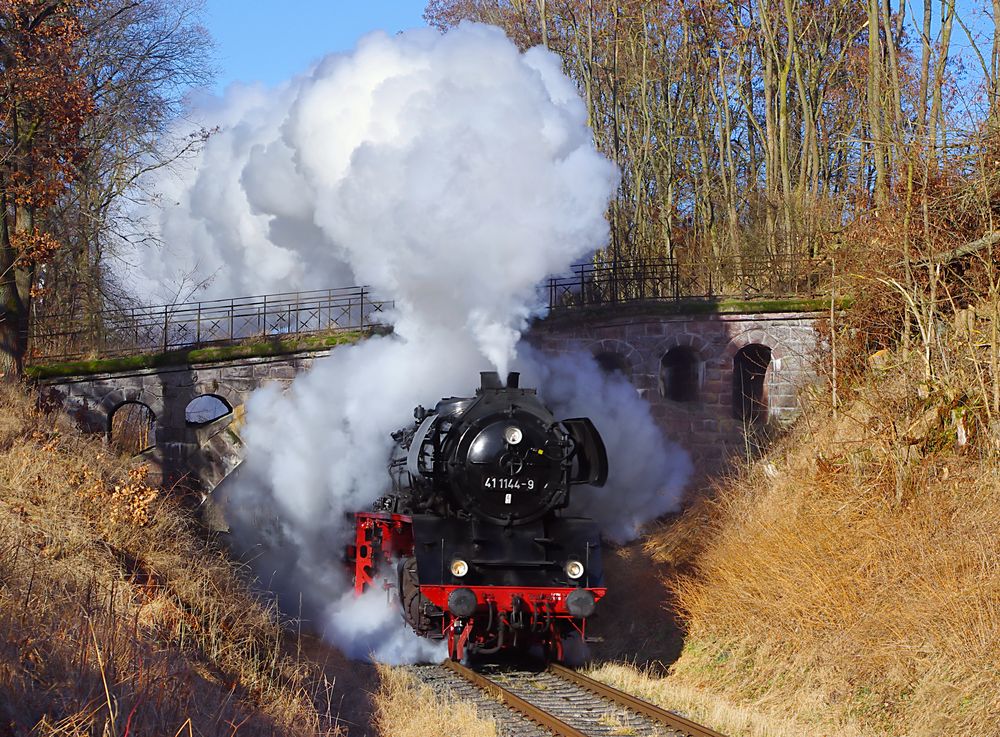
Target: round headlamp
(459, 568)
(513, 435)
(574, 569)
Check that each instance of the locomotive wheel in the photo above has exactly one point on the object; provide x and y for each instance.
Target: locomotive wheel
(414, 609)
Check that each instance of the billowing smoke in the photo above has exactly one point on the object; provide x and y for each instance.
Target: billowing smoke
(646, 474)
(235, 218)
(452, 173)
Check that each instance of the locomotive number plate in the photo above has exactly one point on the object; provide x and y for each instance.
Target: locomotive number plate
(501, 482)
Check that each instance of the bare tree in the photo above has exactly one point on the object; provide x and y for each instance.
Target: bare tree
(140, 59)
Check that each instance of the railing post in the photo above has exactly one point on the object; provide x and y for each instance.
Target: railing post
(361, 316)
(197, 338)
(166, 327)
(232, 319)
(262, 318)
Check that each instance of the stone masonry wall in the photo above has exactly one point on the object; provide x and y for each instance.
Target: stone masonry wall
(706, 423)
(202, 454)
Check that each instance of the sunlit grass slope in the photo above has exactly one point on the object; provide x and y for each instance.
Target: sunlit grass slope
(852, 578)
(115, 617)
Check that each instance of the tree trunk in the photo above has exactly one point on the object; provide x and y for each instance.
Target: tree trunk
(936, 117)
(994, 82)
(925, 66)
(893, 82)
(544, 23)
(875, 75)
(15, 304)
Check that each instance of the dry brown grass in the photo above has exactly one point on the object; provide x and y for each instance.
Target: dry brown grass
(759, 718)
(404, 707)
(854, 575)
(115, 617)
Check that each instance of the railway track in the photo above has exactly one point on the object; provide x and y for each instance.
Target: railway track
(557, 701)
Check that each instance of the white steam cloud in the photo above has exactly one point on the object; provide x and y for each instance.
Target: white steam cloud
(451, 173)
(646, 475)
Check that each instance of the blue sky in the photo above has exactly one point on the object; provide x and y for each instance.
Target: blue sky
(267, 41)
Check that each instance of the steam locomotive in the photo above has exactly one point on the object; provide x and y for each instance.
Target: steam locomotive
(475, 529)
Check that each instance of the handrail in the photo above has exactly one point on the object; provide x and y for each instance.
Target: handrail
(163, 328)
(673, 279)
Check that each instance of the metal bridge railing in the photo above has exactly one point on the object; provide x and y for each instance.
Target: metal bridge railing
(164, 328)
(674, 280)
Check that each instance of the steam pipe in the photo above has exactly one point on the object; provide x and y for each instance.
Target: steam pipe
(501, 631)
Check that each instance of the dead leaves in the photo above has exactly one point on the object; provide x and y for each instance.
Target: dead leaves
(131, 500)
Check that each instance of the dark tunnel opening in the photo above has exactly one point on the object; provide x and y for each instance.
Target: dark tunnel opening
(610, 363)
(750, 366)
(679, 375)
(132, 428)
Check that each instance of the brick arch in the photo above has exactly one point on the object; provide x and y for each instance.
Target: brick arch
(620, 348)
(701, 350)
(218, 389)
(779, 351)
(754, 335)
(701, 347)
(117, 397)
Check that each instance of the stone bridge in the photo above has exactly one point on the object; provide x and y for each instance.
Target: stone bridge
(719, 378)
(719, 383)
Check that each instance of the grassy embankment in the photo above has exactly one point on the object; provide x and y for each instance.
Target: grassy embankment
(852, 577)
(115, 617)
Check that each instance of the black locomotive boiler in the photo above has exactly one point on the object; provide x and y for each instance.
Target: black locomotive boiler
(475, 536)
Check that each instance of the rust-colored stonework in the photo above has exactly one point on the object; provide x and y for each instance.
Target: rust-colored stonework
(718, 382)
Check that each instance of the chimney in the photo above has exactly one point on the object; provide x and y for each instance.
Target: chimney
(489, 380)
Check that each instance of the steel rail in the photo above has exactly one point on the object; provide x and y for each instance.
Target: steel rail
(679, 724)
(529, 710)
